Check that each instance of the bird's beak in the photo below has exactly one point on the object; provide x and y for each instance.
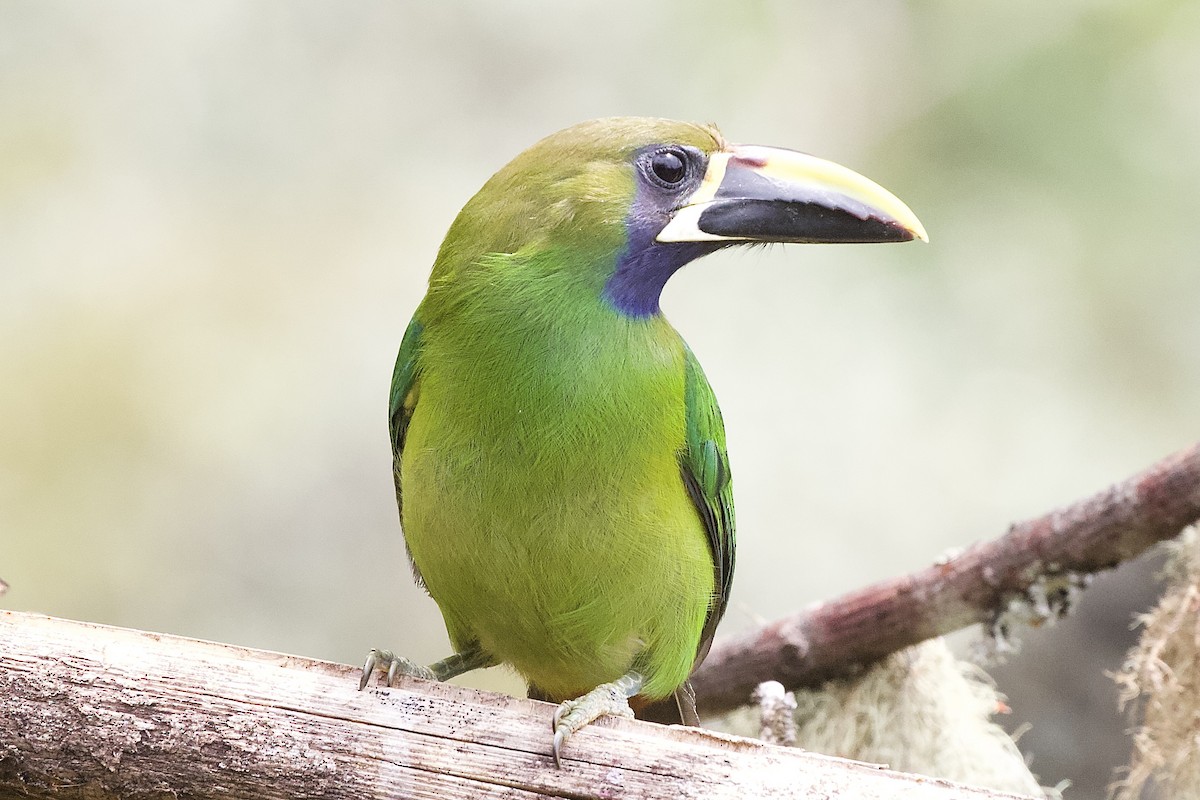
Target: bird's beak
(766, 194)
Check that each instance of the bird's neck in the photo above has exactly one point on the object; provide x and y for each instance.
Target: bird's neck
(541, 320)
(644, 267)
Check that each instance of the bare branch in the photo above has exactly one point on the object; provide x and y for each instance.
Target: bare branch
(89, 711)
(1038, 562)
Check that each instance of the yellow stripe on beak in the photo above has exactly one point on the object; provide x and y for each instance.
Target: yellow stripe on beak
(755, 193)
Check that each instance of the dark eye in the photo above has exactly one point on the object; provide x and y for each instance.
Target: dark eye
(668, 167)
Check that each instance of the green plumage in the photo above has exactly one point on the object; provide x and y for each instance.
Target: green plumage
(559, 456)
(561, 466)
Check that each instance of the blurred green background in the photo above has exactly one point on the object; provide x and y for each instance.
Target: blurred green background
(216, 219)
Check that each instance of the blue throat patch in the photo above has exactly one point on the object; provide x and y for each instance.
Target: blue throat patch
(645, 265)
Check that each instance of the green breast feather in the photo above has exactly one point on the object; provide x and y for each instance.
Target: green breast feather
(704, 464)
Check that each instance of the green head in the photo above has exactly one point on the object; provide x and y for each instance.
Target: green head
(630, 200)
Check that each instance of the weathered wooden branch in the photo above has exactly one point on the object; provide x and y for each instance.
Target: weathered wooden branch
(1037, 563)
(90, 711)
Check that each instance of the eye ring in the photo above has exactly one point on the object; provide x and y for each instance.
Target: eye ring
(667, 167)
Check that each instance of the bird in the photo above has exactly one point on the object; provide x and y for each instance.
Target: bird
(559, 456)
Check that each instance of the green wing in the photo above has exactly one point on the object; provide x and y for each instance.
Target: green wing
(404, 396)
(705, 468)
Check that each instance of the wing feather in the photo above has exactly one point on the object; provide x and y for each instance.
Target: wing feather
(704, 464)
(405, 390)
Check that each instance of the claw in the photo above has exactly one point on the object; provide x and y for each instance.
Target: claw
(393, 670)
(373, 658)
(396, 666)
(559, 738)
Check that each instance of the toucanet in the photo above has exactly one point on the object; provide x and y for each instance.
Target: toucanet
(559, 456)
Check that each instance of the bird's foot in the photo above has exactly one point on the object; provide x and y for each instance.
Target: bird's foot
(471, 657)
(607, 698)
(393, 665)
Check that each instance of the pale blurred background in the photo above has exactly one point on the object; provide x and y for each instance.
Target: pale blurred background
(216, 219)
